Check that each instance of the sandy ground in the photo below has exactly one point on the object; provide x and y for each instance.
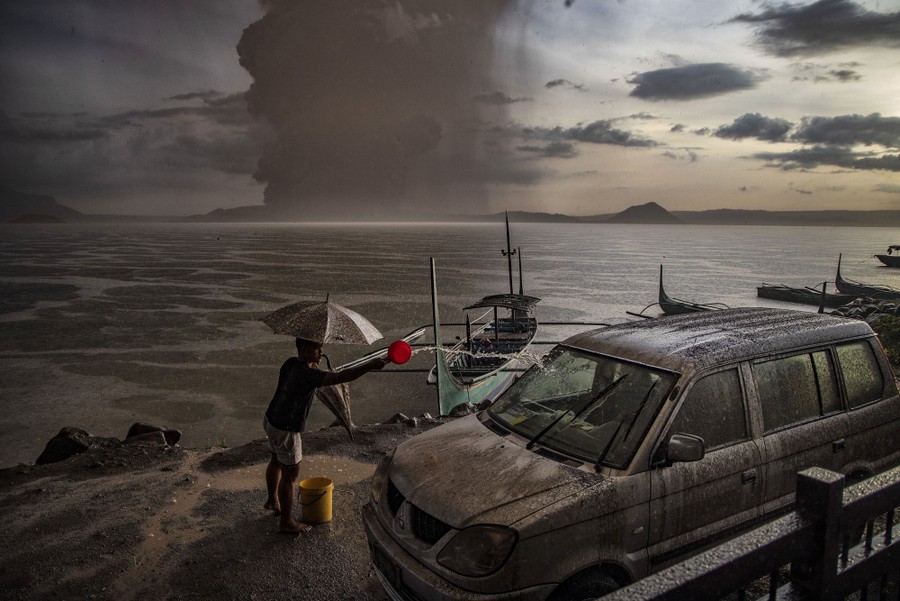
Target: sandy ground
(144, 521)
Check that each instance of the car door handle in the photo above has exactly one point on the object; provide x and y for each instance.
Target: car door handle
(837, 445)
(748, 476)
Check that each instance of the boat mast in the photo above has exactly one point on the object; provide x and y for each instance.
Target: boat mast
(508, 253)
(521, 282)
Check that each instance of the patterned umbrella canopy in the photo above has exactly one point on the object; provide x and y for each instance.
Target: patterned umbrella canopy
(322, 322)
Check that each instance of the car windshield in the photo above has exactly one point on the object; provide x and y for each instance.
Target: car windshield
(589, 406)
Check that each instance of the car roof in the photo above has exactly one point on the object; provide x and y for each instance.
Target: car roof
(709, 338)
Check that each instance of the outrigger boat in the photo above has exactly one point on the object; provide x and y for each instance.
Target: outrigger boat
(487, 362)
(858, 289)
(804, 296)
(676, 306)
(890, 259)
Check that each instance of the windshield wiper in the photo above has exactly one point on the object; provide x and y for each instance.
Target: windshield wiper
(587, 406)
(631, 424)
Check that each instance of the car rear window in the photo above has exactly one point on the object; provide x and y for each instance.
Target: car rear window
(862, 375)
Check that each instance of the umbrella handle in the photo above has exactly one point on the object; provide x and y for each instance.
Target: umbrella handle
(327, 361)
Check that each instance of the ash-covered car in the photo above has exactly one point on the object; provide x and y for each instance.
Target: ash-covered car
(630, 448)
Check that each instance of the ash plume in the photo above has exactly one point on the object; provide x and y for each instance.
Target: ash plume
(372, 101)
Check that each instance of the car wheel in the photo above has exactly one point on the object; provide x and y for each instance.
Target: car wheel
(588, 585)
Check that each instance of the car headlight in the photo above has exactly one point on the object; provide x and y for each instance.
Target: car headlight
(379, 477)
(478, 550)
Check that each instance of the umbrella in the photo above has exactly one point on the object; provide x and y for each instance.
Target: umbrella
(322, 322)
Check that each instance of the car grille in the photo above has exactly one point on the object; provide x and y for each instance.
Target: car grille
(424, 526)
(427, 527)
(394, 498)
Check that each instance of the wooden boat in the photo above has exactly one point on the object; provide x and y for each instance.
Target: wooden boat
(858, 289)
(804, 296)
(890, 259)
(676, 306)
(487, 361)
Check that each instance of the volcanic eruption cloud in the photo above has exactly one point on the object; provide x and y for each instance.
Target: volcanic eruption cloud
(374, 105)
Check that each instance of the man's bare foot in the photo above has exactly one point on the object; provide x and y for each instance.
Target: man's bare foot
(293, 527)
(272, 506)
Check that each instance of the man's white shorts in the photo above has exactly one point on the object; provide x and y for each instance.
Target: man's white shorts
(284, 444)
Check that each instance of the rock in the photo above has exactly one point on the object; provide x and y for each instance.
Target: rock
(170, 436)
(72, 441)
(397, 418)
(413, 422)
(158, 436)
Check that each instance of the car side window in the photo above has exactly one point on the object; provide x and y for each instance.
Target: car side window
(713, 410)
(787, 390)
(862, 376)
(826, 378)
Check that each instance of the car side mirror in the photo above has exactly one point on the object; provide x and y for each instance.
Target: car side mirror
(684, 448)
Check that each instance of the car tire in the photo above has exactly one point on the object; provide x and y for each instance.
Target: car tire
(588, 585)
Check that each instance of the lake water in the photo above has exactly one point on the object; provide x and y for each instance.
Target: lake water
(105, 325)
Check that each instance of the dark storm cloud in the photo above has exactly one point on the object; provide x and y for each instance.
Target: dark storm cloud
(368, 108)
(838, 156)
(846, 75)
(564, 83)
(754, 125)
(207, 95)
(562, 150)
(821, 27)
(847, 130)
(225, 110)
(692, 81)
(499, 98)
(46, 127)
(176, 147)
(602, 132)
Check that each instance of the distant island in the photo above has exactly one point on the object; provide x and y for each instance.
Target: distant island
(24, 208)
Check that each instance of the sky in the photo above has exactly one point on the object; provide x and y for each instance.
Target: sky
(358, 109)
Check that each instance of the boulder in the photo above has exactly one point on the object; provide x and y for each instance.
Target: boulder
(72, 441)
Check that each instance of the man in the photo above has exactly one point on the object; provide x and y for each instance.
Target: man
(286, 418)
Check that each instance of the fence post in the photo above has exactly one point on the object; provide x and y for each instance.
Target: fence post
(820, 500)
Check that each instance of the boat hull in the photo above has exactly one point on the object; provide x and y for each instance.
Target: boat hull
(802, 296)
(889, 260)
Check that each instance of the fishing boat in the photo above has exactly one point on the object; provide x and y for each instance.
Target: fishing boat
(676, 306)
(858, 289)
(804, 296)
(487, 361)
(890, 259)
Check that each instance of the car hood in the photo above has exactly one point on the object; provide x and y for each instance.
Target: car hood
(463, 474)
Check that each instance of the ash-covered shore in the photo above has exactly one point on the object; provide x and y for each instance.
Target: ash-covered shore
(151, 521)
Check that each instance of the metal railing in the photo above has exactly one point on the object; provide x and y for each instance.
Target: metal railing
(838, 542)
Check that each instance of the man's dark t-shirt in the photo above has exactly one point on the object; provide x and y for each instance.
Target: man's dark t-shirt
(297, 385)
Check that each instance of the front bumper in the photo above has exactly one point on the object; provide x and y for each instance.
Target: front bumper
(405, 579)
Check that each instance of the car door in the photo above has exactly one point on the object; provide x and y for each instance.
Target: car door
(803, 421)
(692, 504)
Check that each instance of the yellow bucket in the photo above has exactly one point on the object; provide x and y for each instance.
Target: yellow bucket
(315, 500)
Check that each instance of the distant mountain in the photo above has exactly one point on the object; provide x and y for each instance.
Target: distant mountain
(650, 213)
(36, 218)
(809, 218)
(15, 204)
